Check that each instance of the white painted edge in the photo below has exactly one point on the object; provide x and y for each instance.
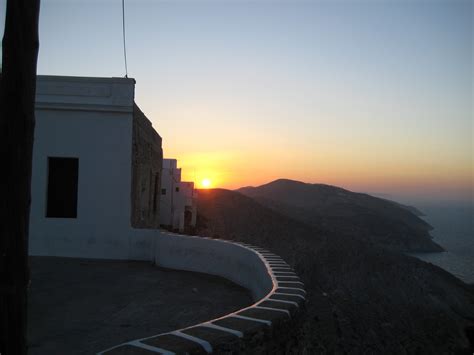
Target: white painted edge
(151, 348)
(283, 301)
(205, 345)
(293, 288)
(224, 329)
(278, 263)
(274, 309)
(138, 344)
(289, 294)
(291, 282)
(290, 276)
(267, 322)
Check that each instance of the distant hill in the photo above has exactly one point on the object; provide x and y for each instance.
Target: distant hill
(362, 298)
(412, 209)
(233, 215)
(346, 213)
(388, 197)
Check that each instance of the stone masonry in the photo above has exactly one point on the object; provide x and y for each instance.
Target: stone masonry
(147, 157)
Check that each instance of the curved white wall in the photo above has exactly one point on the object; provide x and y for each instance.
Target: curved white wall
(278, 294)
(216, 257)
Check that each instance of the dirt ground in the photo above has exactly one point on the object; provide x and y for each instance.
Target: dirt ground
(82, 306)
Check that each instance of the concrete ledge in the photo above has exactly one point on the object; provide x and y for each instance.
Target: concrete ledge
(277, 291)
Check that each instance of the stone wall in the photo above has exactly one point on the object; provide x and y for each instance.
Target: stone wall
(147, 157)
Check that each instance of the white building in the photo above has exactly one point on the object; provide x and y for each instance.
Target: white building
(170, 196)
(190, 203)
(178, 199)
(96, 170)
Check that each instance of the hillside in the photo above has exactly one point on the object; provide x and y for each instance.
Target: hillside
(339, 211)
(361, 298)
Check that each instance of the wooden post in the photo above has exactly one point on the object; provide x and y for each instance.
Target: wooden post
(17, 121)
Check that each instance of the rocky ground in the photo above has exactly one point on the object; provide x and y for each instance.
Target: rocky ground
(361, 297)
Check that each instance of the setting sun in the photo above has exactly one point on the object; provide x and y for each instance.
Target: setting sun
(206, 183)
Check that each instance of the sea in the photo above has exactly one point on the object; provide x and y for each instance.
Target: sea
(454, 231)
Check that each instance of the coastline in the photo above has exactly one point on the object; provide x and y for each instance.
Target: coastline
(454, 232)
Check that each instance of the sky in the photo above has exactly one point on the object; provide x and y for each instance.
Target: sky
(373, 96)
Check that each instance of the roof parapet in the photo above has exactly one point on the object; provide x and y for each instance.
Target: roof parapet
(85, 93)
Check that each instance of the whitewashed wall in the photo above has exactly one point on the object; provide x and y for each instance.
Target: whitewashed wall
(216, 257)
(90, 119)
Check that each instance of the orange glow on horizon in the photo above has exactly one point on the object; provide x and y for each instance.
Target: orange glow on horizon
(401, 175)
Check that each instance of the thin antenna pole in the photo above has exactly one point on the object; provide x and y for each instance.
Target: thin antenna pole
(123, 33)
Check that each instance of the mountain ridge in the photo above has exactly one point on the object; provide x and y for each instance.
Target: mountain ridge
(348, 213)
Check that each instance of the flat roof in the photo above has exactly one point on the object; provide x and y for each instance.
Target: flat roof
(88, 79)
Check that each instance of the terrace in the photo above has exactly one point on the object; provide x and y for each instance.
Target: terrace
(80, 306)
(227, 297)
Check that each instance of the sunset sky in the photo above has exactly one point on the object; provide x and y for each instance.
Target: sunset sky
(373, 96)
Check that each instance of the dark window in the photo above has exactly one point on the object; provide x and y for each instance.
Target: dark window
(163, 191)
(62, 187)
(177, 189)
(155, 193)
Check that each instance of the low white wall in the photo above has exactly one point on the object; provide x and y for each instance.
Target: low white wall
(276, 289)
(216, 257)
